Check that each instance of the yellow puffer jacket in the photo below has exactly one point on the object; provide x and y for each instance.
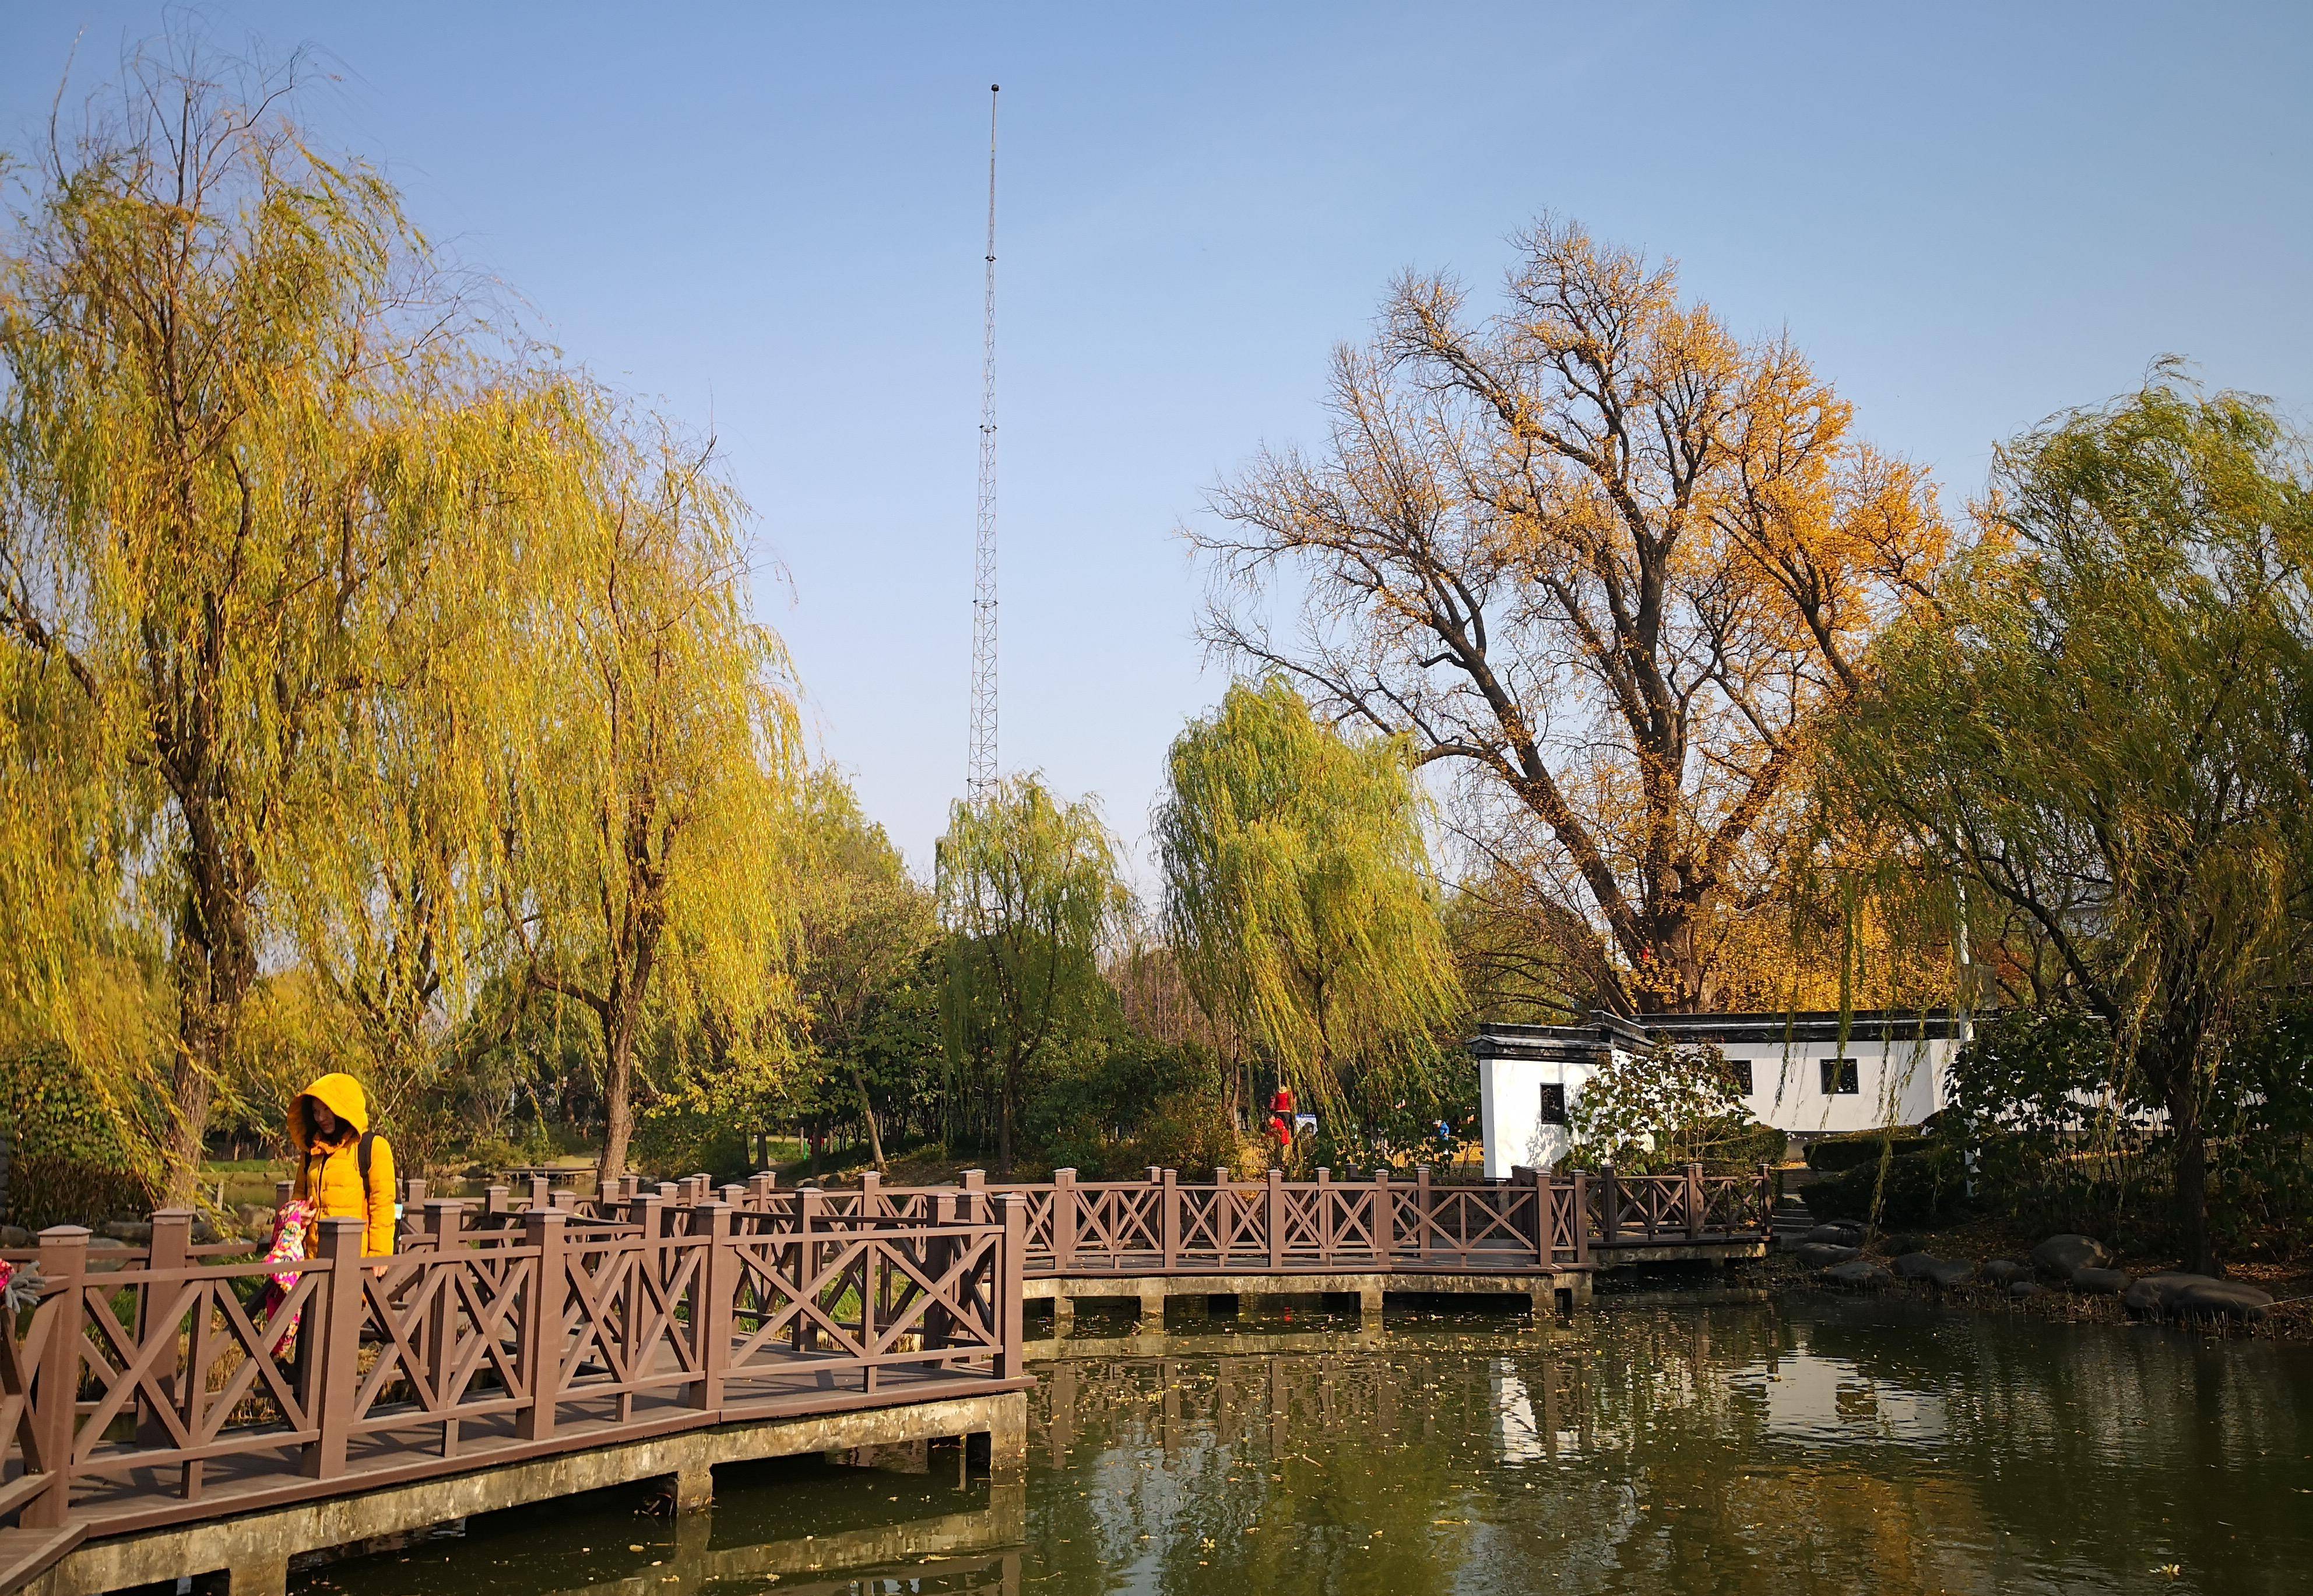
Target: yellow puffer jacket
(329, 1171)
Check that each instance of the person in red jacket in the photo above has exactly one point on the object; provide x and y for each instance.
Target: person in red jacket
(1280, 1118)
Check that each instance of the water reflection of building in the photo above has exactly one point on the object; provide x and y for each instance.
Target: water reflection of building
(1812, 1397)
(1526, 1431)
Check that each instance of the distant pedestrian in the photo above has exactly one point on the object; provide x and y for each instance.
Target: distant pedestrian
(1280, 1118)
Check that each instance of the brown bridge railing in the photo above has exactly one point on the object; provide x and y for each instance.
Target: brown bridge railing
(1163, 1225)
(179, 1381)
(175, 1382)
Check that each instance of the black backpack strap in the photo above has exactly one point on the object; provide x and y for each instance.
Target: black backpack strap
(361, 1159)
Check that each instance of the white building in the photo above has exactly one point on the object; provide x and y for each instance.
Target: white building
(1893, 1069)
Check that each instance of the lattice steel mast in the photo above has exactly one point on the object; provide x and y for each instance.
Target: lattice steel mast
(982, 771)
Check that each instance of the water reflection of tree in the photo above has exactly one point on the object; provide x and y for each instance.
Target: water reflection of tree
(1738, 1451)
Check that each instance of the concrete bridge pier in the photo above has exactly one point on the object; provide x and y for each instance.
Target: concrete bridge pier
(1547, 1291)
(693, 1487)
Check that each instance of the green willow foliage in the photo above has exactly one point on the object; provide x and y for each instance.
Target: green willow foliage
(1297, 891)
(2101, 724)
(1030, 895)
(864, 923)
(335, 631)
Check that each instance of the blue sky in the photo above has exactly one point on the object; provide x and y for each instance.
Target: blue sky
(769, 219)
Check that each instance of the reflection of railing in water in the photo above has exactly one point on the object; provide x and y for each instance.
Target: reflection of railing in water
(970, 1551)
(1267, 1400)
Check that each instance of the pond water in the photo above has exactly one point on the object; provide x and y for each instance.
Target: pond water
(1799, 1445)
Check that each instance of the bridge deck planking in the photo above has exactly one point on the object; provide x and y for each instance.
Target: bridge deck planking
(146, 1497)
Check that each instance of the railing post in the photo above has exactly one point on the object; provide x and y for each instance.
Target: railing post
(871, 1194)
(1012, 1213)
(336, 1346)
(1694, 1212)
(1385, 1218)
(808, 1203)
(975, 1190)
(1610, 1206)
(497, 1207)
(1581, 1226)
(169, 1249)
(1425, 1213)
(56, 1399)
(443, 1218)
(1064, 1221)
(1766, 1209)
(714, 1282)
(1538, 1186)
(940, 1254)
(542, 1322)
(1169, 1222)
(1275, 1219)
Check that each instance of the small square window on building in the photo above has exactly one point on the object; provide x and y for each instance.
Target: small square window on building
(1554, 1104)
(1840, 1078)
(1738, 1076)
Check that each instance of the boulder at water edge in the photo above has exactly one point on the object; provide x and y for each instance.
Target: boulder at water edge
(1947, 1275)
(1838, 1232)
(2101, 1283)
(2021, 1289)
(2006, 1271)
(2059, 1256)
(1819, 1255)
(2221, 1298)
(2155, 1295)
(1916, 1266)
(1859, 1274)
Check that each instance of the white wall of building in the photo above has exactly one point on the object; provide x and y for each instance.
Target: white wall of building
(1509, 1103)
(1897, 1083)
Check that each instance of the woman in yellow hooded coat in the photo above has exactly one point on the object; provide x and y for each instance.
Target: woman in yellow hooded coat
(329, 1123)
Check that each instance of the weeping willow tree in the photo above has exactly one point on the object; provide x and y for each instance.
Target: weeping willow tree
(651, 804)
(1029, 890)
(239, 437)
(402, 858)
(1297, 893)
(2101, 729)
(862, 921)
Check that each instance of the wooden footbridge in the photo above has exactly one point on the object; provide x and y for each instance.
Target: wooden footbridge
(178, 1409)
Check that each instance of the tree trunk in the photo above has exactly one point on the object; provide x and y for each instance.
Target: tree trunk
(618, 1129)
(1010, 1094)
(867, 1113)
(2192, 1173)
(189, 1130)
(213, 972)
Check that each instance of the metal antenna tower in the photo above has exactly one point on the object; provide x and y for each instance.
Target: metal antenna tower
(982, 771)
